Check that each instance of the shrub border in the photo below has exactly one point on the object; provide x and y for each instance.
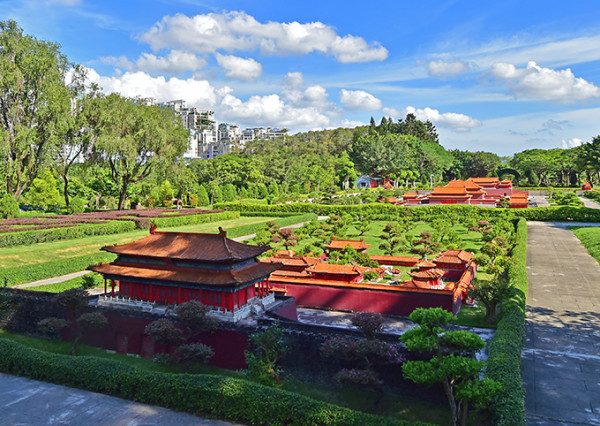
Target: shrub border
(504, 361)
(204, 395)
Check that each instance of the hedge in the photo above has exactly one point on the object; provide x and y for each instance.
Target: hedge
(504, 361)
(12, 239)
(204, 395)
(29, 273)
(389, 211)
(166, 222)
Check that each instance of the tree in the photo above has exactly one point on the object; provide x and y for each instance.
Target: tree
(9, 207)
(490, 293)
(74, 302)
(392, 239)
(34, 100)
(380, 154)
(266, 348)
(134, 138)
(203, 199)
(452, 363)
(43, 193)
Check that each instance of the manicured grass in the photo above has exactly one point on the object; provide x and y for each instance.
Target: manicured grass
(59, 287)
(590, 238)
(473, 316)
(46, 252)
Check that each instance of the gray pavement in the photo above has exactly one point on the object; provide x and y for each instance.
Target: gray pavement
(590, 203)
(561, 354)
(30, 402)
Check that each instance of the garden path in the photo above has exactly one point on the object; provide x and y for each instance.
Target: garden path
(30, 402)
(561, 353)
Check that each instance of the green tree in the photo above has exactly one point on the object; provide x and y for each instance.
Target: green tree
(452, 363)
(134, 138)
(490, 293)
(392, 239)
(266, 349)
(9, 207)
(34, 101)
(203, 199)
(43, 192)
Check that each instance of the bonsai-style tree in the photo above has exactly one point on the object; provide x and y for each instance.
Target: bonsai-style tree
(425, 245)
(194, 318)
(490, 293)
(364, 355)
(362, 226)
(391, 238)
(266, 349)
(74, 302)
(452, 362)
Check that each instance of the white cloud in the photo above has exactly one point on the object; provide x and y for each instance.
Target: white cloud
(268, 110)
(297, 94)
(350, 124)
(536, 82)
(443, 69)
(571, 143)
(238, 31)
(239, 68)
(175, 63)
(455, 121)
(359, 100)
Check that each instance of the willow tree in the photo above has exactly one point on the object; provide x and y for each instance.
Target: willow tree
(132, 139)
(34, 99)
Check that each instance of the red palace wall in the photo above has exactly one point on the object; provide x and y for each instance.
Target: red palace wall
(392, 302)
(125, 334)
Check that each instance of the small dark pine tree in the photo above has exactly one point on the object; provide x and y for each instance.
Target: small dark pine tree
(392, 239)
(74, 302)
(452, 362)
(266, 348)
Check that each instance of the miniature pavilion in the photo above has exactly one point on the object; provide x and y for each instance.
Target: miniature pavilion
(176, 267)
(340, 245)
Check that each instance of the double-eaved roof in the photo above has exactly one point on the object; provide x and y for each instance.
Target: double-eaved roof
(196, 247)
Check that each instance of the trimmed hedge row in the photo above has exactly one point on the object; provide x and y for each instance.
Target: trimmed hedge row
(29, 273)
(204, 395)
(165, 222)
(504, 361)
(562, 213)
(12, 239)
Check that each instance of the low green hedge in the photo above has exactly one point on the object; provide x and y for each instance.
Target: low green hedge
(504, 361)
(203, 395)
(29, 273)
(195, 219)
(11, 239)
(390, 211)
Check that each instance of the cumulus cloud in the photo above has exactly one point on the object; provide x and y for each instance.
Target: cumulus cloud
(571, 143)
(442, 69)
(455, 121)
(535, 82)
(359, 100)
(238, 31)
(315, 96)
(239, 68)
(175, 63)
(350, 124)
(269, 110)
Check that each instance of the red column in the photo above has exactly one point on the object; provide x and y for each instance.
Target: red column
(112, 288)
(150, 296)
(178, 295)
(230, 301)
(105, 287)
(223, 296)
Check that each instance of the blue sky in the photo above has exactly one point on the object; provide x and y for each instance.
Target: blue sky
(494, 76)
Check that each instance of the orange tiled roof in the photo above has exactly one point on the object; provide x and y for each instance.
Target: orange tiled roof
(425, 264)
(224, 278)
(486, 181)
(427, 274)
(454, 256)
(341, 244)
(292, 261)
(410, 195)
(384, 258)
(333, 268)
(215, 248)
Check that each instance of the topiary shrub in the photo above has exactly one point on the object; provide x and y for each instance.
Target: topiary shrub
(9, 207)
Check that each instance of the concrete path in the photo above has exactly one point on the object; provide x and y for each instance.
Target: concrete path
(54, 280)
(561, 354)
(30, 402)
(590, 203)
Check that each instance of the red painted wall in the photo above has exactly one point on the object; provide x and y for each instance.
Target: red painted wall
(125, 334)
(393, 303)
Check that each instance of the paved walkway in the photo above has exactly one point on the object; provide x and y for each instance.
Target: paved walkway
(590, 203)
(30, 402)
(561, 354)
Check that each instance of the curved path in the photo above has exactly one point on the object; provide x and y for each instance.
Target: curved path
(561, 354)
(30, 402)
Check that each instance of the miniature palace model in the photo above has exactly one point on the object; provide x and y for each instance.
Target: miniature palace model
(176, 267)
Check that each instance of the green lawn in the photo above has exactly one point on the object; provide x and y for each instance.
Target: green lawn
(46, 252)
(590, 238)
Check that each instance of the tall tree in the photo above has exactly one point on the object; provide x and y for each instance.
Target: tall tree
(34, 100)
(133, 138)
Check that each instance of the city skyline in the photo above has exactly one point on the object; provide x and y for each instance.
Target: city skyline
(502, 78)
